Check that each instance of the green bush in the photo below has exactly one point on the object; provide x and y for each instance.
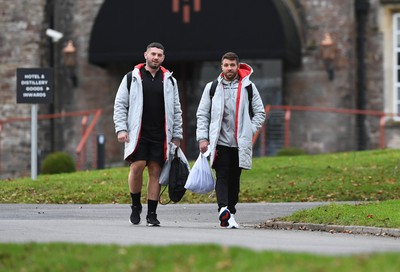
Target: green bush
(290, 151)
(58, 162)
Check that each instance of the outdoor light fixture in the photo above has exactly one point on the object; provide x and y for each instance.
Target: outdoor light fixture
(69, 53)
(328, 54)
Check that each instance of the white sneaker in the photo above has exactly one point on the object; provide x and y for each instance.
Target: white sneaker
(232, 223)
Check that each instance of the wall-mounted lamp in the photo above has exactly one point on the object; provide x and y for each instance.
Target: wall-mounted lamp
(69, 54)
(328, 54)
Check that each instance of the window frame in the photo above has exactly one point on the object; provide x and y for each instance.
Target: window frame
(396, 63)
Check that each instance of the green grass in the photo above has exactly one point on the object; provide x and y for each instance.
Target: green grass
(85, 187)
(362, 176)
(367, 175)
(79, 257)
(385, 214)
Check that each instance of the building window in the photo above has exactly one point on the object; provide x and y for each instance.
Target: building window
(396, 63)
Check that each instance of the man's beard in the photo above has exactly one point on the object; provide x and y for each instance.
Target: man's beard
(154, 66)
(230, 76)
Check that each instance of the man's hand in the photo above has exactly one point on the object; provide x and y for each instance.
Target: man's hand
(123, 137)
(176, 142)
(203, 145)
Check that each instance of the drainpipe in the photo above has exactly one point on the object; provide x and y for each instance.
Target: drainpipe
(50, 44)
(361, 9)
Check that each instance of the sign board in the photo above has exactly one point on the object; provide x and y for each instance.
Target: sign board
(35, 85)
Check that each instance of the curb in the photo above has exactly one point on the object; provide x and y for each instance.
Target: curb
(330, 228)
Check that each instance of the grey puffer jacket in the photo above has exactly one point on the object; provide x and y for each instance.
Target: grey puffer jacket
(209, 124)
(128, 110)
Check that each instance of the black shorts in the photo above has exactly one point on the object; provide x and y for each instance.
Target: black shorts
(147, 151)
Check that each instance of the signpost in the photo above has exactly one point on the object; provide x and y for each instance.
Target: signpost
(34, 86)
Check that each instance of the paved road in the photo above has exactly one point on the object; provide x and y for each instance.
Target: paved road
(181, 224)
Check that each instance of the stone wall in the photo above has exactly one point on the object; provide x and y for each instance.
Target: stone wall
(21, 43)
(24, 44)
(309, 85)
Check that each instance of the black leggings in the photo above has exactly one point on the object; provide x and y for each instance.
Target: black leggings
(228, 173)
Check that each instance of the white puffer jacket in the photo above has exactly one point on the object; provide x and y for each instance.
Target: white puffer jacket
(133, 102)
(209, 125)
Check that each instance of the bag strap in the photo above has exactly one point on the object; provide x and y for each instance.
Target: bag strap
(213, 87)
(159, 198)
(250, 96)
(129, 81)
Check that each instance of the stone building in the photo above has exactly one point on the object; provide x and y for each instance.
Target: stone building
(281, 39)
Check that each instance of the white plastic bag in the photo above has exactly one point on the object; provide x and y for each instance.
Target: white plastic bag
(200, 179)
(164, 176)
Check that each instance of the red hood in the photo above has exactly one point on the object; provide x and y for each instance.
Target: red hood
(244, 70)
(140, 65)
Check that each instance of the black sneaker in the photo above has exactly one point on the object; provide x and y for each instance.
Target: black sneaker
(152, 220)
(135, 215)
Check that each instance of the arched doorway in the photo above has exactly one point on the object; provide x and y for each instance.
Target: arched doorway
(196, 34)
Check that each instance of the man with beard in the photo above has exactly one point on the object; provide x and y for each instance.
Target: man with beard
(225, 125)
(148, 119)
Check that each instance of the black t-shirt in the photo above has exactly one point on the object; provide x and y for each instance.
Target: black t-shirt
(153, 119)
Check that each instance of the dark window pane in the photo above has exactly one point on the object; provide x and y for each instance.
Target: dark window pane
(398, 58)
